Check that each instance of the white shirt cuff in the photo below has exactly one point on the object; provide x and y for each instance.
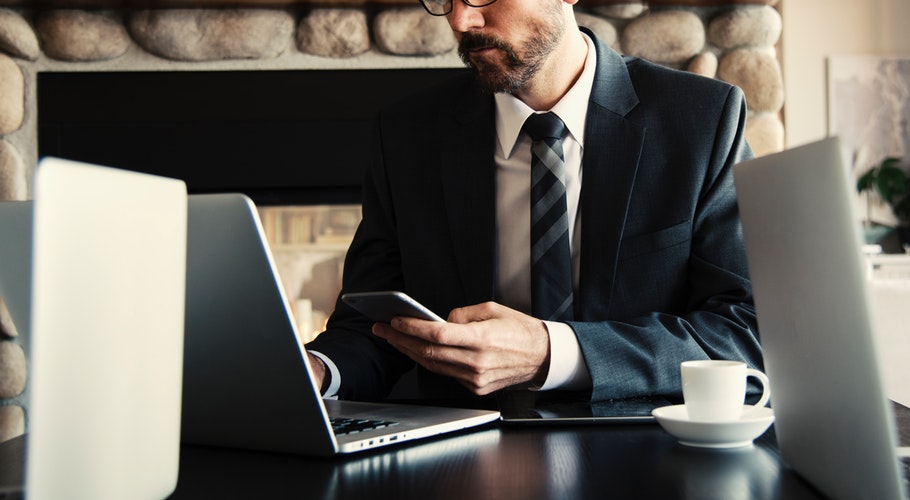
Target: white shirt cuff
(332, 391)
(568, 369)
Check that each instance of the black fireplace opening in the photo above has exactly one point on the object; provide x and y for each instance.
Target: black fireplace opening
(282, 137)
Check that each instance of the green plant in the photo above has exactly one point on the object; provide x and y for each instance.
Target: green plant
(892, 184)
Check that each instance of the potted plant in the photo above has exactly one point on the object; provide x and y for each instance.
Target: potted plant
(890, 182)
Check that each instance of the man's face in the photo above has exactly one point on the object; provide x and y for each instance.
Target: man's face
(509, 44)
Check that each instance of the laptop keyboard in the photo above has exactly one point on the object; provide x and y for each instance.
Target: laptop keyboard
(352, 425)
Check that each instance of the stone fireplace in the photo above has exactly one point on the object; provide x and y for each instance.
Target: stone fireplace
(736, 41)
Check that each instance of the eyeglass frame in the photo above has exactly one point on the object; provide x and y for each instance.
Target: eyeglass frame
(448, 5)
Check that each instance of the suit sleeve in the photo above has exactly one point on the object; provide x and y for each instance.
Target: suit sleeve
(369, 366)
(640, 354)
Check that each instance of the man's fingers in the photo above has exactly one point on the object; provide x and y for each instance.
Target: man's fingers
(485, 347)
(435, 332)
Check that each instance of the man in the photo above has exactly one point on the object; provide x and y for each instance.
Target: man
(658, 265)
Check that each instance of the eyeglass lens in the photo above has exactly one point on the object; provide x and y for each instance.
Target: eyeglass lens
(437, 7)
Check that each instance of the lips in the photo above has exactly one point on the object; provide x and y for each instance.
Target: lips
(471, 43)
(480, 51)
(479, 48)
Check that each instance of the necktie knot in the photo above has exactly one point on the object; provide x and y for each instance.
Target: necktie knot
(544, 126)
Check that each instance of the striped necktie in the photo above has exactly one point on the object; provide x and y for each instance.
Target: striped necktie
(551, 261)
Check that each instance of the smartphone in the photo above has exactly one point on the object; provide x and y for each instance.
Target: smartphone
(383, 306)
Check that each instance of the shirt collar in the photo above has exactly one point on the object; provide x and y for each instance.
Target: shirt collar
(511, 112)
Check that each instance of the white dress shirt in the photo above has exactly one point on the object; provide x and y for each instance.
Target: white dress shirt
(513, 215)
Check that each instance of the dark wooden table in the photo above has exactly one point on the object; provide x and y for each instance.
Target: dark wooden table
(619, 461)
(493, 462)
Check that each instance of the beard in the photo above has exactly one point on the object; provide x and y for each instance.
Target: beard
(518, 65)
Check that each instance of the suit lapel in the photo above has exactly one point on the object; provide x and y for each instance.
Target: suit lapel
(613, 148)
(612, 152)
(469, 180)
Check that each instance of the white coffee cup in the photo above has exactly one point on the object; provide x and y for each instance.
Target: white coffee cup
(715, 390)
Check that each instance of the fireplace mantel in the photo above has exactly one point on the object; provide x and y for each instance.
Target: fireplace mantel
(735, 41)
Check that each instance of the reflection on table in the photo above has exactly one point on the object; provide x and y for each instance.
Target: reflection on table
(589, 461)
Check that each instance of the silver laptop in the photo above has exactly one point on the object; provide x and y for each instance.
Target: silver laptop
(247, 381)
(106, 334)
(834, 424)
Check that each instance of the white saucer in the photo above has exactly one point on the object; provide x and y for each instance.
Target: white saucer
(754, 422)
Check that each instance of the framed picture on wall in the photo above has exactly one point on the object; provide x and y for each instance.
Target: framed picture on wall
(869, 108)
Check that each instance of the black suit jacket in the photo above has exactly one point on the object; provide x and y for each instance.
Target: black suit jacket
(663, 271)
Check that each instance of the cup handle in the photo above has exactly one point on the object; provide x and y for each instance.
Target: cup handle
(766, 389)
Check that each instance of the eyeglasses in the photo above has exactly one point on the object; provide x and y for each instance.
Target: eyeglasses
(443, 7)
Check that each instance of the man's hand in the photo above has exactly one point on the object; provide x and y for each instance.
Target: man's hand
(319, 371)
(485, 347)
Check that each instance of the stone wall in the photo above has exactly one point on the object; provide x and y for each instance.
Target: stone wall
(736, 43)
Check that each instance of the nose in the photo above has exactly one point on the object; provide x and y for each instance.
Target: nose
(464, 18)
